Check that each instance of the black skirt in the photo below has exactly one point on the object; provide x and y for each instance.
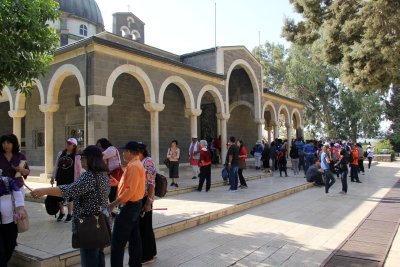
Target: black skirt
(174, 169)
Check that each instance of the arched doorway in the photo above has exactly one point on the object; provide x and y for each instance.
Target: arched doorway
(127, 117)
(5, 105)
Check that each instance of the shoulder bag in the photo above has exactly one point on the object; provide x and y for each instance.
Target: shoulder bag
(94, 231)
(117, 172)
(167, 162)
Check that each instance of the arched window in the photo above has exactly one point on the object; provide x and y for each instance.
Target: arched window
(83, 30)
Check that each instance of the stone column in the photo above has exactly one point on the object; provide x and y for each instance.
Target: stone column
(275, 126)
(154, 109)
(260, 123)
(17, 116)
(193, 114)
(218, 127)
(289, 134)
(223, 119)
(269, 130)
(48, 110)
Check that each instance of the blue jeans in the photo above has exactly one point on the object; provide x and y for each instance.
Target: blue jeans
(307, 163)
(354, 173)
(233, 176)
(92, 257)
(127, 228)
(343, 175)
(329, 180)
(301, 162)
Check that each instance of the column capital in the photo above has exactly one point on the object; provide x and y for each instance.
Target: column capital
(98, 100)
(20, 113)
(259, 121)
(274, 123)
(153, 107)
(288, 125)
(49, 108)
(300, 127)
(223, 116)
(192, 112)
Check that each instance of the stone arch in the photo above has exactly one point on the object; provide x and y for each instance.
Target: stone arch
(136, 34)
(183, 86)
(57, 79)
(216, 95)
(240, 103)
(21, 98)
(7, 91)
(299, 119)
(271, 107)
(136, 72)
(256, 89)
(125, 30)
(285, 113)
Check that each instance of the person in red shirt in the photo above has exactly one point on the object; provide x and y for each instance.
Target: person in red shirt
(205, 167)
(354, 164)
(242, 164)
(218, 148)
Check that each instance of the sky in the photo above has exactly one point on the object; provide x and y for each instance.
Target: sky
(184, 26)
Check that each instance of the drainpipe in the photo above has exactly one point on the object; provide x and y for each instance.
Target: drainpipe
(86, 97)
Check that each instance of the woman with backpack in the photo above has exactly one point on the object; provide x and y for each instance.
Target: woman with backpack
(294, 156)
(272, 155)
(265, 156)
(66, 170)
(342, 167)
(282, 162)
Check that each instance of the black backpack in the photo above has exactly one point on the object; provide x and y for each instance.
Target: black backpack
(294, 154)
(281, 158)
(161, 185)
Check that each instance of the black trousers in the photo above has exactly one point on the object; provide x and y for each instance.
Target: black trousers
(205, 174)
(149, 247)
(241, 177)
(361, 165)
(113, 193)
(8, 241)
(126, 228)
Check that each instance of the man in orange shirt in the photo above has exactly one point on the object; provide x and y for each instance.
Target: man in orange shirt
(129, 195)
(354, 164)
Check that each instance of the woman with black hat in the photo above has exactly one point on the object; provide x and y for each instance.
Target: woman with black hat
(89, 194)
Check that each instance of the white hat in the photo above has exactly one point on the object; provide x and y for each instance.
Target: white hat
(259, 142)
(194, 137)
(72, 141)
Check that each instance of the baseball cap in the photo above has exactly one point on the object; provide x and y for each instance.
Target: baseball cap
(72, 141)
(142, 145)
(91, 151)
(131, 145)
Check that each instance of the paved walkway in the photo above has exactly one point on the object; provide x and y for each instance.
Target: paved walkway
(299, 230)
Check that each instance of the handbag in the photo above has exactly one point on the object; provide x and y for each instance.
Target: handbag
(242, 165)
(94, 231)
(167, 163)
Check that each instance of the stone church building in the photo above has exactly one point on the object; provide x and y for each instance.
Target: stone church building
(113, 85)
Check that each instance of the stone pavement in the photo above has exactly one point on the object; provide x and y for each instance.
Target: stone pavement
(301, 229)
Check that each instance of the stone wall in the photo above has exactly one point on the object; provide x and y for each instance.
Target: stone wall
(173, 124)
(70, 116)
(34, 123)
(240, 87)
(204, 61)
(6, 122)
(127, 118)
(241, 125)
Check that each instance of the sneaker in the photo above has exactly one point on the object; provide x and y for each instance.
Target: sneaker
(194, 177)
(243, 186)
(176, 185)
(231, 191)
(149, 261)
(172, 184)
(342, 192)
(358, 182)
(60, 217)
(68, 219)
(197, 190)
(207, 190)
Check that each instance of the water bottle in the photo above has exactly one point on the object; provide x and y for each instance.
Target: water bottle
(106, 212)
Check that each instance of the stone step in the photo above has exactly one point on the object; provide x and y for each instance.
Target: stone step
(184, 211)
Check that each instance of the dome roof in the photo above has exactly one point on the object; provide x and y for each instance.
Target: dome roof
(85, 9)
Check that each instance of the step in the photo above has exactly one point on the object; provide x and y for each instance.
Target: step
(184, 211)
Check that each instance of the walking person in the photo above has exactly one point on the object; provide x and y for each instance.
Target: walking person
(282, 162)
(233, 164)
(66, 170)
(354, 164)
(273, 155)
(325, 161)
(149, 248)
(89, 194)
(205, 167)
(265, 156)
(294, 156)
(370, 155)
(173, 155)
(309, 151)
(11, 195)
(194, 156)
(242, 164)
(131, 190)
(113, 161)
(360, 159)
(258, 149)
(343, 169)
(300, 146)
(13, 163)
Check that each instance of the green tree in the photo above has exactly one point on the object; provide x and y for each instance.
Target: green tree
(27, 43)
(361, 37)
(392, 113)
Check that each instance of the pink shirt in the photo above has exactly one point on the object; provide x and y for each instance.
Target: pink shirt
(111, 157)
